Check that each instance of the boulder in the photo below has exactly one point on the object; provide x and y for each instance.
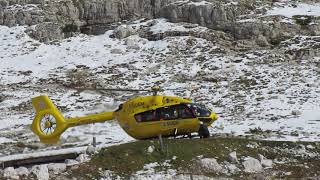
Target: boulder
(262, 41)
(252, 165)
(151, 149)
(301, 149)
(71, 162)
(260, 157)
(232, 168)
(10, 173)
(132, 43)
(22, 171)
(233, 157)
(83, 158)
(57, 168)
(90, 150)
(123, 31)
(264, 161)
(296, 112)
(40, 171)
(310, 146)
(116, 51)
(46, 32)
(211, 164)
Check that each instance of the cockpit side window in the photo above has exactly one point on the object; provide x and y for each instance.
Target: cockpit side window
(199, 110)
(167, 113)
(184, 112)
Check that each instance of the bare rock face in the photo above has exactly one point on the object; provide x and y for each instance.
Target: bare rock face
(209, 14)
(224, 17)
(20, 12)
(262, 41)
(46, 32)
(57, 19)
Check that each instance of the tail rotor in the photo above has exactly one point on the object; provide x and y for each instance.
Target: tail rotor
(48, 123)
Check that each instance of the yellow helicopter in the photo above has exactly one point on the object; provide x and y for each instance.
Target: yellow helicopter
(141, 117)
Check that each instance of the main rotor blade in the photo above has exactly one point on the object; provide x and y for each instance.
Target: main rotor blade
(174, 89)
(112, 89)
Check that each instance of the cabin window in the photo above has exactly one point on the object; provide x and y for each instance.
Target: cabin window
(174, 112)
(167, 113)
(185, 112)
(146, 116)
(181, 111)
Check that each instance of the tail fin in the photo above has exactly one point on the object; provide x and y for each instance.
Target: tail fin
(48, 123)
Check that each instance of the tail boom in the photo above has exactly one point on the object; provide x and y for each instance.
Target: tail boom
(94, 118)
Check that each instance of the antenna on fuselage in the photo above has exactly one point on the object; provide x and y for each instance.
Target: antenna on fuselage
(155, 90)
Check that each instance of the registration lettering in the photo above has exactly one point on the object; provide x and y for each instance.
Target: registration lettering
(172, 123)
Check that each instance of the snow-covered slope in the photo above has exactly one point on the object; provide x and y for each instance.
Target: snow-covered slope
(254, 92)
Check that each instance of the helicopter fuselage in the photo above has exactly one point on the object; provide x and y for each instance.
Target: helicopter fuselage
(149, 116)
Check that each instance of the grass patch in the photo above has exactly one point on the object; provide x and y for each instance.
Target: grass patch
(126, 159)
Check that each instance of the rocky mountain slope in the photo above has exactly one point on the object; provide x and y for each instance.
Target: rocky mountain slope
(256, 63)
(244, 19)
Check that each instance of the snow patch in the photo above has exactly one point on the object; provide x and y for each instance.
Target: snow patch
(300, 9)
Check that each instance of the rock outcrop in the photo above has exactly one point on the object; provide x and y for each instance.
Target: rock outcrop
(60, 19)
(57, 19)
(264, 30)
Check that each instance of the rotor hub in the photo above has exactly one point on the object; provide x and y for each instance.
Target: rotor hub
(48, 124)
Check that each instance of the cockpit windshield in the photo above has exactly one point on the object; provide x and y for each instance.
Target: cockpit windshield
(199, 110)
